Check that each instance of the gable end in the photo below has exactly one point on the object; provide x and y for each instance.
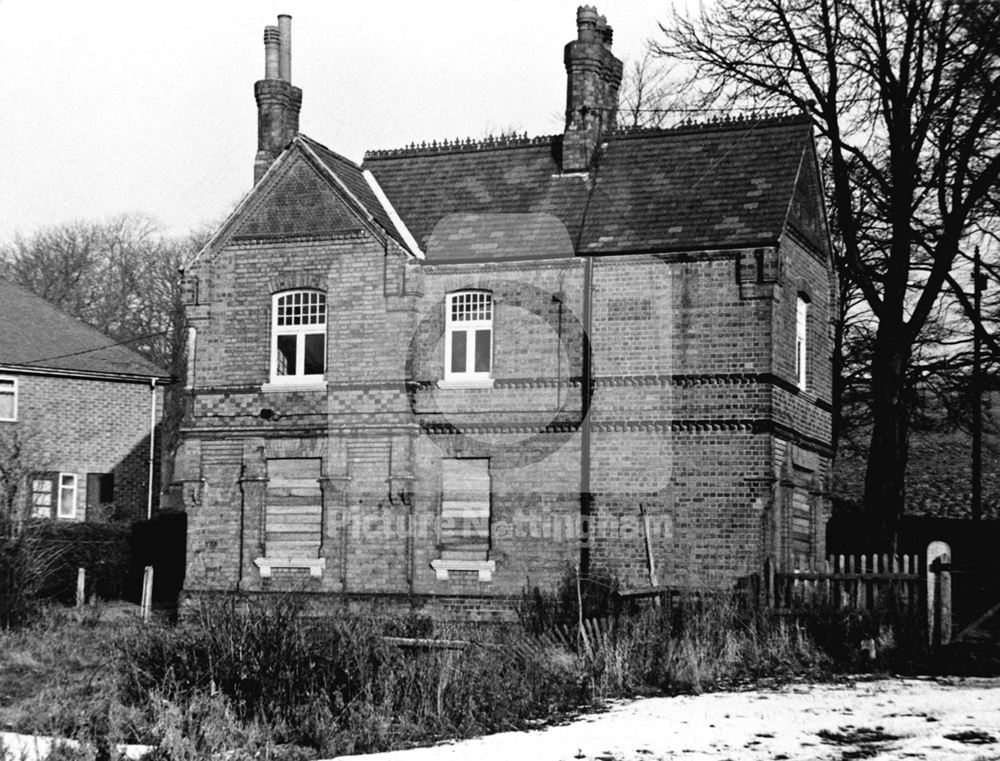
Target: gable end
(299, 202)
(806, 212)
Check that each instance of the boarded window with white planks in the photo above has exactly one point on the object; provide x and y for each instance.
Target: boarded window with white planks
(294, 508)
(465, 509)
(802, 522)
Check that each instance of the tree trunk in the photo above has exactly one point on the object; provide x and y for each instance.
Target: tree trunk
(885, 489)
(838, 383)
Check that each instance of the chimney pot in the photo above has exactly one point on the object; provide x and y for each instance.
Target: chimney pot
(586, 22)
(593, 78)
(278, 102)
(285, 59)
(272, 46)
(604, 32)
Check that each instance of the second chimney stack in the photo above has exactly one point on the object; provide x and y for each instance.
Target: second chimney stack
(593, 76)
(278, 101)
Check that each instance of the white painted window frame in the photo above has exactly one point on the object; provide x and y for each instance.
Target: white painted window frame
(14, 394)
(53, 497)
(61, 511)
(802, 341)
(300, 331)
(467, 378)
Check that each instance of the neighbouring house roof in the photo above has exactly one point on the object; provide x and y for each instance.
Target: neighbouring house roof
(35, 335)
(696, 187)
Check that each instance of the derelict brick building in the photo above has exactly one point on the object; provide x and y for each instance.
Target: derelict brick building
(462, 368)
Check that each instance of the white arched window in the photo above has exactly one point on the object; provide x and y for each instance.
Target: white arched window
(468, 343)
(298, 337)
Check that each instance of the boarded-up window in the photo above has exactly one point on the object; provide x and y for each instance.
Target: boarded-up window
(294, 511)
(465, 509)
(802, 523)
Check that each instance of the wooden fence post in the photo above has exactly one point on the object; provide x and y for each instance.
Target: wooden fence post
(938, 593)
(147, 592)
(769, 600)
(81, 587)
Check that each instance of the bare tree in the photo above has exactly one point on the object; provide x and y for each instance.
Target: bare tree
(645, 97)
(905, 95)
(121, 277)
(26, 564)
(19, 458)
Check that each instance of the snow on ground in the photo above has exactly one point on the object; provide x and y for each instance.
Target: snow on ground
(33, 748)
(880, 719)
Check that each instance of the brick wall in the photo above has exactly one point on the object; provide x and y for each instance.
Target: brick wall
(83, 426)
(697, 430)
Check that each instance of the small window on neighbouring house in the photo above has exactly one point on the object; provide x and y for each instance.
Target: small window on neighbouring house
(42, 495)
(67, 495)
(469, 336)
(298, 337)
(465, 509)
(801, 341)
(53, 495)
(8, 398)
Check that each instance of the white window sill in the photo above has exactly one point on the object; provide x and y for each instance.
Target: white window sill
(278, 386)
(484, 568)
(465, 383)
(315, 565)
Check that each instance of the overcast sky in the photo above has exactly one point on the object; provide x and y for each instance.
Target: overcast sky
(107, 107)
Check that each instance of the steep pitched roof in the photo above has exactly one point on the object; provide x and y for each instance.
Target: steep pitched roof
(35, 334)
(711, 186)
(352, 176)
(341, 175)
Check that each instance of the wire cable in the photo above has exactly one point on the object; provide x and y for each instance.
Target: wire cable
(96, 348)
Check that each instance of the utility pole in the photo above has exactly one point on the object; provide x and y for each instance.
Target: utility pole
(978, 285)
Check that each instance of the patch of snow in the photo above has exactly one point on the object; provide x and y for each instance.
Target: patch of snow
(37, 747)
(884, 718)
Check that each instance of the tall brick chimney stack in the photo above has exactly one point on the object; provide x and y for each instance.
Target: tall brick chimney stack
(593, 76)
(278, 102)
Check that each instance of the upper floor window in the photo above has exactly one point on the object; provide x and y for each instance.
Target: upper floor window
(801, 340)
(8, 398)
(298, 337)
(468, 343)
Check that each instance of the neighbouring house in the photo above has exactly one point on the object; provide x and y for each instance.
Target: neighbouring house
(81, 409)
(463, 369)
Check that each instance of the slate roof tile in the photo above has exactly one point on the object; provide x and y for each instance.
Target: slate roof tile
(353, 178)
(35, 333)
(687, 188)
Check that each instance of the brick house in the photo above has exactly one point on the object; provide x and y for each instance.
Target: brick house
(460, 369)
(82, 406)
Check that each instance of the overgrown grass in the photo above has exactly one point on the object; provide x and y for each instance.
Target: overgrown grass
(333, 686)
(57, 678)
(701, 645)
(260, 679)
